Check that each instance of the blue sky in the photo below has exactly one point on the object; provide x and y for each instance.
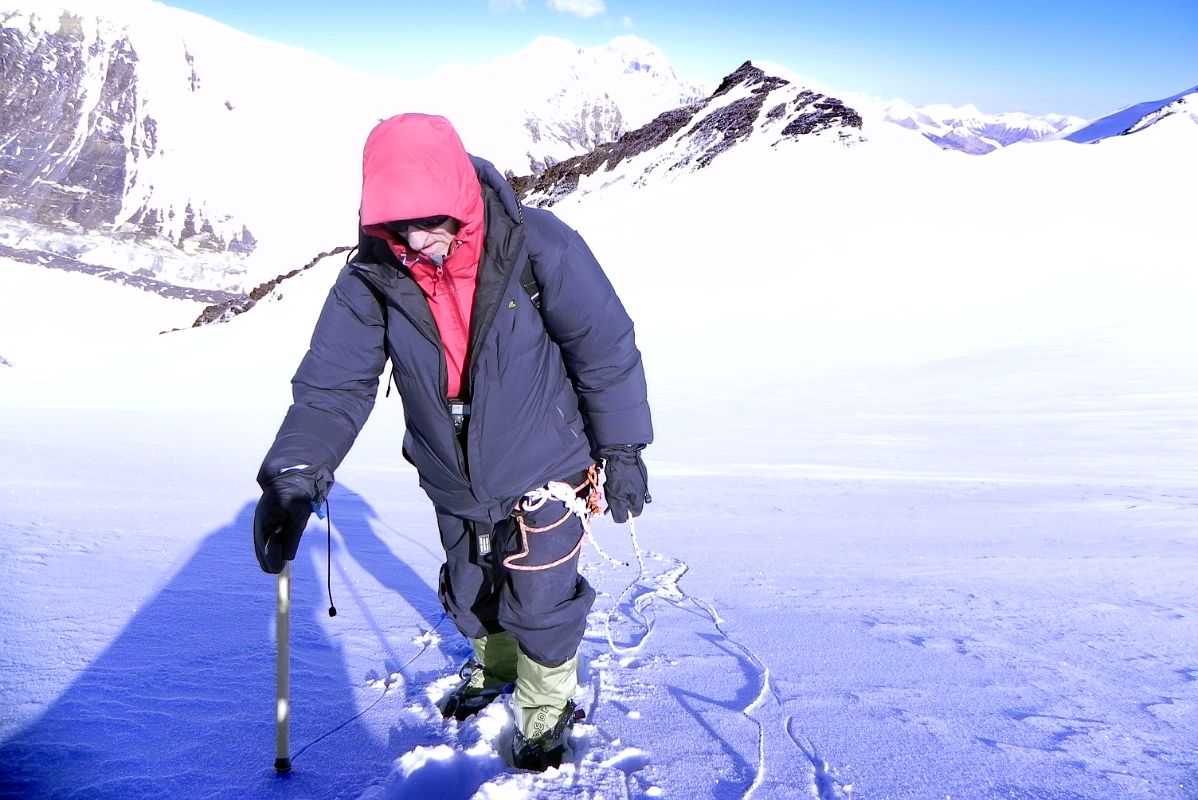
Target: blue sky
(1066, 57)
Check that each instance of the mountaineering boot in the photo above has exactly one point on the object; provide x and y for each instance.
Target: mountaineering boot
(549, 747)
(544, 711)
(484, 677)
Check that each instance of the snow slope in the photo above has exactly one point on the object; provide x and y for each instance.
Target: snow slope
(1136, 117)
(924, 518)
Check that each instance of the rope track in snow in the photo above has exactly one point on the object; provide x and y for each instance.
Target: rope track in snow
(826, 785)
(666, 585)
(642, 590)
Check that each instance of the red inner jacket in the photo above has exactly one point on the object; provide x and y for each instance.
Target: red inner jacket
(413, 166)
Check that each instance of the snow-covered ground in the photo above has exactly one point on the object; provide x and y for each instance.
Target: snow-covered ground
(924, 525)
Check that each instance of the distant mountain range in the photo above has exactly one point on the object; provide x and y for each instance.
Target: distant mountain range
(971, 131)
(156, 143)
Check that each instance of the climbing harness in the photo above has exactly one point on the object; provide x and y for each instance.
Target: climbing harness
(582, 501)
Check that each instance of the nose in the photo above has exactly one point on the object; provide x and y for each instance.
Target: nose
(418, 239)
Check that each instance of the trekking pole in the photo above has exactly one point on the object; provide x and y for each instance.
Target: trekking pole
(283, 669)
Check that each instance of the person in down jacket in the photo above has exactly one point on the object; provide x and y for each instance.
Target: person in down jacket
(519, 374)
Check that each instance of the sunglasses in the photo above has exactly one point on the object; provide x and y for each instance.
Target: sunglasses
(404, 226)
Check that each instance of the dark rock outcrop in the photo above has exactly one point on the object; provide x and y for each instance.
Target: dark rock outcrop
(229, 308)
(749, 75)
(814, 113)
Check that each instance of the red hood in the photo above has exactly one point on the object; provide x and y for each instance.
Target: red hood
(413, 166)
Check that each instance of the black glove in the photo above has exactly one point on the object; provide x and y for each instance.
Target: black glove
(287, 501)
(625, 482)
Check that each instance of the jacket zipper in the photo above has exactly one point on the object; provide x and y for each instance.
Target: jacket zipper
(452, 291)
(433, 335)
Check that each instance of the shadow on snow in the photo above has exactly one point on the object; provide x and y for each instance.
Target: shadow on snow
(182, 703)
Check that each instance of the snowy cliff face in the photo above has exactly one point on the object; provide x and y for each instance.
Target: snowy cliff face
(972, 131)
(71, 124)
(145, 140)
(84, 148)
(747, 104)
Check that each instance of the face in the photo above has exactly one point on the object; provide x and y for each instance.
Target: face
(429, 237)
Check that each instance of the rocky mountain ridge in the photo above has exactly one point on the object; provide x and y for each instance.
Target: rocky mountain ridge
(747, 102)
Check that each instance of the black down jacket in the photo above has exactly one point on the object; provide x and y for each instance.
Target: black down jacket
(550, 387)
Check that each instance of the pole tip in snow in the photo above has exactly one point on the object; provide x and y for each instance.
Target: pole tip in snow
(283, 764)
